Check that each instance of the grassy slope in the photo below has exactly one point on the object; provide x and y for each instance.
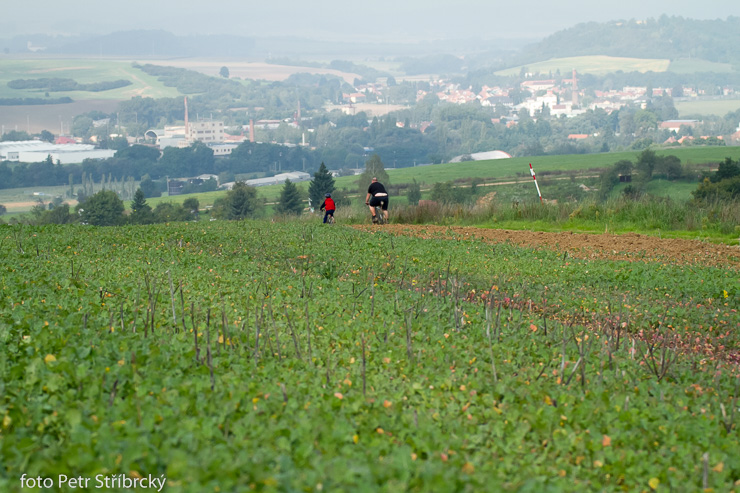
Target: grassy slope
(83, 70)
(689, 66)
(597, 65)
(496, 169)
(714, 107)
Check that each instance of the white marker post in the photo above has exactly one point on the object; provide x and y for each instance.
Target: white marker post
(531, 170)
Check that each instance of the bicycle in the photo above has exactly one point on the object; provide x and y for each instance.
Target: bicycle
(379, 216)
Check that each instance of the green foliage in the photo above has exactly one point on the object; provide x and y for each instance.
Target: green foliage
(34, 101)
(670, 37)
(290, 199)
(322, 183)
(165, 212)
(191, 204)
(374, 168)
(209, 185)
(311, 362)
(646, 162)
(448, 193)
(149, 188)
(3, 209)
(240, 203)
(722, 185)
(141, 212)
(58, 84)
(46, 136)
(14, 135)
(413, 193)
(102, 209)
(727, 169)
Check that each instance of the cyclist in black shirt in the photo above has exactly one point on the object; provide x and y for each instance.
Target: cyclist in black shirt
(377, 196)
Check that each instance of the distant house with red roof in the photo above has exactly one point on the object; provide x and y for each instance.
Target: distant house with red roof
(677, 124)
(577, 136)
(64, 140)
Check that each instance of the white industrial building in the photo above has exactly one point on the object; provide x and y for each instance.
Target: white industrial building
(293, 176)
(36, 151)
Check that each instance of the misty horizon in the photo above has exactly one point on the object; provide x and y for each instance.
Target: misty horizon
(383, 21)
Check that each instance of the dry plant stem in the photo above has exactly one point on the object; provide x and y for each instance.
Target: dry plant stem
(136, 306)
(292, 333)
(364, 383)
(195, 331)
(409, 350)
(490, 344)
(172, 298)
(308, 330)
(277, 333)
(208, 348)
(182, 308)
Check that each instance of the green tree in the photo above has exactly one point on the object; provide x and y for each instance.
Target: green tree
(191, 204)
(58, 215)
(645, 164)
(322, 183)
(240, 202)
(414, 192)
(102, 209)
(3, 209)
(166, 212)
(374, 168)
(149, 188)
(668, 166)
(47, 136)
(14, 135)
(224, 72)
(290, 199)
(341, 197)
(727, 169)
(141, 212)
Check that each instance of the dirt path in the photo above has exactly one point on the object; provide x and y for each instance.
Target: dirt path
(631, 247)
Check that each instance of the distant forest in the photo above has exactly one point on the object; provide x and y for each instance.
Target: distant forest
(666, 37)
(672, 37)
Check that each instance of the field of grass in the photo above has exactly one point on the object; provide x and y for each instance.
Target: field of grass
(700, 108)
(690, 66)
(83, 70)
(238, 356)
(597, 65)
(514, 169)
(58, 118)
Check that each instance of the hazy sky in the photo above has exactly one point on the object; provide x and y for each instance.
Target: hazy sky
(397, 20)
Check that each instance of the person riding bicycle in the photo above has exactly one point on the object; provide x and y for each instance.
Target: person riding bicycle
(330, 207)
(377, 196)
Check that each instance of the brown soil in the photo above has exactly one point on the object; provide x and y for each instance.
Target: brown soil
(631, 247)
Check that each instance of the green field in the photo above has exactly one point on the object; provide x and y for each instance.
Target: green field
(518, 168)
(597, 65)
(514, 169)
(239, 356)
(699, 108)
(57, 118)
(691, 66)
(83, 70)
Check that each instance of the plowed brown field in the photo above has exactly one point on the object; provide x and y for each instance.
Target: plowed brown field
(631, 247)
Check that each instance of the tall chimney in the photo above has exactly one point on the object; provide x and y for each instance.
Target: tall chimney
(575, 89)
(251, 130)
(187, 127)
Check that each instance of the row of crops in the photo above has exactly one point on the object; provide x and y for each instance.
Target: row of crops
(241, 356)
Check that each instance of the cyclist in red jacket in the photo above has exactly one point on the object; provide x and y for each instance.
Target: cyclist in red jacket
(330, 207)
